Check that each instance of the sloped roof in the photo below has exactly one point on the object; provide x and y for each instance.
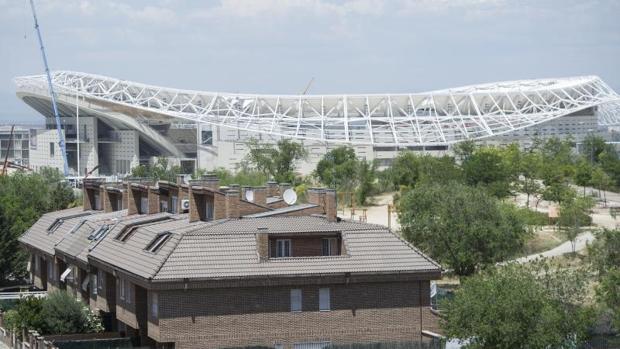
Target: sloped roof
(201, 255)
(40, 238)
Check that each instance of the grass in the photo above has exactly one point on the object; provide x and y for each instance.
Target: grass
(542, 240)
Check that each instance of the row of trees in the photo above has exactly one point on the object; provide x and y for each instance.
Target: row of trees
(537, 305)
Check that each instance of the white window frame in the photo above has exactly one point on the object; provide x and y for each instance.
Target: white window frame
(325, 299)
(93, 284)
(144, 204)
(296, 300)
(284, 248)
(121, 288)
(331, 242)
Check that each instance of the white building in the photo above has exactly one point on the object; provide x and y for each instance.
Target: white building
(130, 123)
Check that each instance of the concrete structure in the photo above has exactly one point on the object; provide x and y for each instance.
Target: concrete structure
(211, 128)
(18, 148)
(221, 271)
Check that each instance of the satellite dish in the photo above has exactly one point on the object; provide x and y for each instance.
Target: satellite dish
(249, 195)
(289, 196)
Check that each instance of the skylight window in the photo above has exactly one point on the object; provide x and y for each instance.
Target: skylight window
(158, 242)
(59, 221)
(130, 228)
(99, 233)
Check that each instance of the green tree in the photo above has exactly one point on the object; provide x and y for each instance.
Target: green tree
(593, 146)
(604, 252)
(462, 227)
(583, 174)
(608, 293)
(339, 169)
(601, 181)
(487, 167)
(277, 162)
(58, 313)
(574, 215)
(23, 199)
(528, 171)
(63, 314)
(367, 176)
(242, 177)
(160, 170)
(519, 306)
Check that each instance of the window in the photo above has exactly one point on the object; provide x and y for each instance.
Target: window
(330, 246)
(324, 299)
(296, 300)
(163, 206)
(99, 233)
(154, 304)
(100, 279)
(158, 242)
(283, 248)
(57, 223)
(51, 150)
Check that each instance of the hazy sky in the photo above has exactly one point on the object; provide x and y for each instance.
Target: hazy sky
(277, 46)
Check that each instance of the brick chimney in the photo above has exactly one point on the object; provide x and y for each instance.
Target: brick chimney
(91, 193)
(260, 195)
(232, 204)
(326, 198)
(136, 191)
(330, 207)
(262, 244)
(272, 188)
(211, 181)
(283, 187)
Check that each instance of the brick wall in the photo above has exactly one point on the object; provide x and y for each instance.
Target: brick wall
(126, 311)
(262, 316)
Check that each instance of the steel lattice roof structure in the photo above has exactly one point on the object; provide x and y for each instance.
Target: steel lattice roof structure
(430, 118)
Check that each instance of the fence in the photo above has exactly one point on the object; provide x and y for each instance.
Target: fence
(33, 340)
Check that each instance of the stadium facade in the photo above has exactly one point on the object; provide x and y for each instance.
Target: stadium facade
(122, 123)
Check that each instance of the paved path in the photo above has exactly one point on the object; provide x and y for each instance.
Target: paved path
(581, 242)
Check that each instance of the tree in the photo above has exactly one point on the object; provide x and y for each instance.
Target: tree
(593, 146)
(601, 181)
(277, 162)
(574, 214)
(518, 306)
(367, 176)
(487, 167)
(462, 227)
(242, 177)
(604, 257)
(160, 170)
(529, 169)
(23, 199)
(58, 313)
(608, 293)
(583, 174)
(339, 168)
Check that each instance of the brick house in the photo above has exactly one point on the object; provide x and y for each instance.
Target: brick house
(197, 265)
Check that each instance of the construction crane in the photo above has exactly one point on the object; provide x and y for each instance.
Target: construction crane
(308, 86)
(61, 139)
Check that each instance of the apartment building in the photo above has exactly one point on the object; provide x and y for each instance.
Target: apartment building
(197, 265)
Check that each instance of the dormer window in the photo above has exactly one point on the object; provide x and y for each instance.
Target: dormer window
(330, 246)
(158, 242)
(130, 228)
(304, 245)
(144, 204)
(283, 248)
(99, 233)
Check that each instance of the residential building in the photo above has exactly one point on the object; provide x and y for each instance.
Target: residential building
(197, 265)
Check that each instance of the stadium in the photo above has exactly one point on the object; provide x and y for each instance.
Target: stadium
(123, 123)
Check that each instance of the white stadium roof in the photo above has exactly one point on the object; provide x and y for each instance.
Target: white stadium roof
(428, 118)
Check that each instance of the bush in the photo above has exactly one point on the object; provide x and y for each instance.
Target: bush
(59, 313)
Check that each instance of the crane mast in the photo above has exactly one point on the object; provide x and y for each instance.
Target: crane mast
(61, 139)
